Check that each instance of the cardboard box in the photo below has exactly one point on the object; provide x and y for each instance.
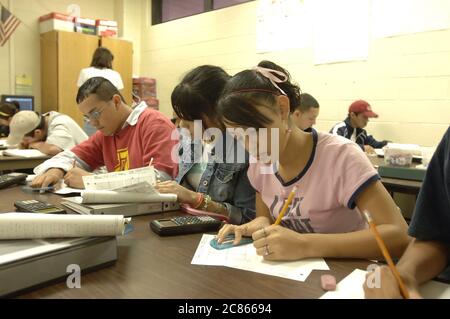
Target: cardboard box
(85, 25)
(106, 28)
(56, 21)
(144, 87)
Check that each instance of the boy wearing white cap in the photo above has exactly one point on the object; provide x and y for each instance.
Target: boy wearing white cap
(50, 133)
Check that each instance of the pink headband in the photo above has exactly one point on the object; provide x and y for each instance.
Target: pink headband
(270, 74)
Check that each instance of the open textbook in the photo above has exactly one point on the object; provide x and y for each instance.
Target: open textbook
(351, 287)
(132, 186)
(31, 225)
(244, 257)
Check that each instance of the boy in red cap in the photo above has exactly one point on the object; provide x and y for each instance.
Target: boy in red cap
(352, 127)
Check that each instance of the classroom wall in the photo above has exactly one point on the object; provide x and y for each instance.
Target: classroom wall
(128, 14)
(406, 79)
(21, 55)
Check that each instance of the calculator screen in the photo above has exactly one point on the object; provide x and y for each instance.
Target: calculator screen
(166, 223)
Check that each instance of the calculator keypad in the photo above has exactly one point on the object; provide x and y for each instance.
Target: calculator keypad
(183, 220)
(36, 205)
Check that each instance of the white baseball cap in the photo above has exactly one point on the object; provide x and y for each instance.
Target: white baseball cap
(22, 123)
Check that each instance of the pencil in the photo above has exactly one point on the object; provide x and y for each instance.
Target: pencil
(151, 162)
(386, 255)
(286, 205)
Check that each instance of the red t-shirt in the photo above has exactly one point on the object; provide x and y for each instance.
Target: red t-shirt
(133, 146)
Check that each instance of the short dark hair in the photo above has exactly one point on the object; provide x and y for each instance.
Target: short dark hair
(198, 92)
(41, 125)
(102, 58)
(250, 88)
(307, 101)
(99, 86)
(8, 109)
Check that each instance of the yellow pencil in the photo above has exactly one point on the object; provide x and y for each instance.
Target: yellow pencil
(386, 255)
(286, 205)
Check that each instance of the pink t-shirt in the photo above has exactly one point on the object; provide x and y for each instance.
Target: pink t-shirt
(337, 171)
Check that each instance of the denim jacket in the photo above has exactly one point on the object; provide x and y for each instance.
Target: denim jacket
(225, 178)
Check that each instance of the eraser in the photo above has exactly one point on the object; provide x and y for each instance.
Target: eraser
(328, 282)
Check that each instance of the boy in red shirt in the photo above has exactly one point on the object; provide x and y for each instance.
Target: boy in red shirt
(126, 138)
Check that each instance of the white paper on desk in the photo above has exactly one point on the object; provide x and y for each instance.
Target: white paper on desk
(32, 226)
(117, 180)
(113, 197)
(24, 153)
(142, 187)
(351, 287)
(63, 189)
(244, 257)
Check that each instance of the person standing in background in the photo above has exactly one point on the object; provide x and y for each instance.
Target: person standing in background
(306, 113)
(101, 66)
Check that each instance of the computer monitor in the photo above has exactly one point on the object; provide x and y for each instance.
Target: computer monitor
(26, 102)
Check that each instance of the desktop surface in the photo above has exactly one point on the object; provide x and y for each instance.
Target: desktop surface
(150, 266)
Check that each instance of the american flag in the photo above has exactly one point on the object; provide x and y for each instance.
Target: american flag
(8, 24)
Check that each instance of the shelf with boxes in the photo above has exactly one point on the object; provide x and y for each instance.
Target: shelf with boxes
(145, 89)
(55, 21)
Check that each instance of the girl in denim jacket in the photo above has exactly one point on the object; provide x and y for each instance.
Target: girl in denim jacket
(213, 166)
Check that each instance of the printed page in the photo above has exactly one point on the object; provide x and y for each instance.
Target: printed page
(101, 196)
(244, 257)
(351, 287)
(117, 180)
(32, 226)
(24, 153)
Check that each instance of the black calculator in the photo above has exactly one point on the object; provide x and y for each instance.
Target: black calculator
(185, 225)
(11, 179)
(35, 206)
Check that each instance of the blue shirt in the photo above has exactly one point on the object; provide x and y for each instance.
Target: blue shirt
(431, 217)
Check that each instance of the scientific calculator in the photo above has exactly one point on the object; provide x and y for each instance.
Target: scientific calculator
(184, 225)
(35, 206)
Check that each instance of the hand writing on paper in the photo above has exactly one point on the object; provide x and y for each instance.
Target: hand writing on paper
(50, 177)
(74, 177)
(280, 243)
(389, 287)
(242, 230)
(185, 196)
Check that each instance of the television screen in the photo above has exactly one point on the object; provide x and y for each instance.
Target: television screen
(26, 102)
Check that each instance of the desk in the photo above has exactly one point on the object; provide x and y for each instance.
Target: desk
(396, 185)
(150, 266)
(10, 163)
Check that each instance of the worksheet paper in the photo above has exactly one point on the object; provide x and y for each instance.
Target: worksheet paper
(351, 287)
(244, 257)
(118, 180)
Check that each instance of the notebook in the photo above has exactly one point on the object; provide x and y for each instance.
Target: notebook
(127, 209)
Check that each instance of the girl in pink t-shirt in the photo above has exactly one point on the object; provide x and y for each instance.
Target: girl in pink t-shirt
(335, 180)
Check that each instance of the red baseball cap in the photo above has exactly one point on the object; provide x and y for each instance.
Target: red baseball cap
(363, 107)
